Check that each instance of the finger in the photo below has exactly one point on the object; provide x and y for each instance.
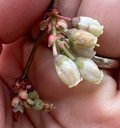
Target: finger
(18, 16)
(116, 102)
(11, 61)
(24, 121)
(42, 119)
(108, 14)
(68, 7)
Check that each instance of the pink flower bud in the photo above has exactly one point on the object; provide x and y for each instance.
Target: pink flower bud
(51, 39)
(23, 94)
(15, 102)
(62, 23)
(28, 86)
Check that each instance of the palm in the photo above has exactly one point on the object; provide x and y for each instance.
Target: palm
(85, 106)
(82, 105)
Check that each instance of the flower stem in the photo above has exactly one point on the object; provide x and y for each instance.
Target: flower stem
(65, 50)
(64, 18)
(54, 49)
(30, 59)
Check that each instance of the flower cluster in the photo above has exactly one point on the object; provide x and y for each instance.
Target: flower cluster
(24, 96)
(73, 52)
(73, 48)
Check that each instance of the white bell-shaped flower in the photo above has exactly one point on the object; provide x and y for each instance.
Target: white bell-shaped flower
(81, 38)
(85, 52)
(67, 70)
(88, 24)
(89, 70)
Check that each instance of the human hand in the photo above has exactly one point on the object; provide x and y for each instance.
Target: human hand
(84, 106)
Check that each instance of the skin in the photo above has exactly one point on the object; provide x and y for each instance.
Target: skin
(85, 106)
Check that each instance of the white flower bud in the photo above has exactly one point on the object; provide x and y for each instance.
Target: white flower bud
(67, 70)
(89, 70)
(81, 38)
(88, 24)
(23, 94)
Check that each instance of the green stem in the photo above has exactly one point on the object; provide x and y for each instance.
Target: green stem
(30, 59)
(65, 50)
(54, 49)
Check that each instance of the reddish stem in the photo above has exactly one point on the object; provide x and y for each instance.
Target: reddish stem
(64, 18)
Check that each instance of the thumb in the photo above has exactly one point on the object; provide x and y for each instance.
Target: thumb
(18, 16)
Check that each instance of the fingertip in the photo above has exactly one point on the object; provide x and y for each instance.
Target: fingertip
(68, 7)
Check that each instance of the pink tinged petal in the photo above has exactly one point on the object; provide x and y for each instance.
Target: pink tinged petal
(62, 23)
(51, 39)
